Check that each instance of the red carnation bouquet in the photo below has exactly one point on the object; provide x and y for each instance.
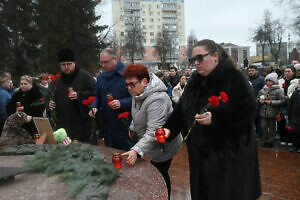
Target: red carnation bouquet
(52, 89)
(88, 102)
(213, 101)
(124, 117)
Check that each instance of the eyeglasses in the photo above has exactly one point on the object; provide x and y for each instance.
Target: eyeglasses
(199, 58)
(131, 84)
(107, 61)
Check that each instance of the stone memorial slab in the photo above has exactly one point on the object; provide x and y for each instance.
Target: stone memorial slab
(7, 173)
(141, 181)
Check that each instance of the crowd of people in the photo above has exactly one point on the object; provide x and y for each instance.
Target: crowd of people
(277, 95)
(220, 138)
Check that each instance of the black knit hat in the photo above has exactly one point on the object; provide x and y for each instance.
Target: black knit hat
(66, 55)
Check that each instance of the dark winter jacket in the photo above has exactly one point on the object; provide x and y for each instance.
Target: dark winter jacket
(5, 96)
(27, 99)
(276, 95)
(258, 83)
(223, 155)
(72, 114)
(115, 131)
(294, 110)
(174, 80)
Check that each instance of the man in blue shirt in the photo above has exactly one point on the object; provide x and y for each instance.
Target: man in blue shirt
(111, 82)
(5, 96)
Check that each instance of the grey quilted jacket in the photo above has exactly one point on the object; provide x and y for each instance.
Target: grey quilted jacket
(276, 94)
(150, 110)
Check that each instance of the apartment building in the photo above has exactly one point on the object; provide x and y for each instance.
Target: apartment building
(152, 17)
(237, 53)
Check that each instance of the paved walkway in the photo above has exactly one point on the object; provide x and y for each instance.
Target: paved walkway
(279, 170)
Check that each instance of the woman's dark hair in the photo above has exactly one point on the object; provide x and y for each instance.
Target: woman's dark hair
(159, 74)
(212, 47)
(138, 71)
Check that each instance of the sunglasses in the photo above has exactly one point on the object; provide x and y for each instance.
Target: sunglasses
(199, 58)
(131, 84)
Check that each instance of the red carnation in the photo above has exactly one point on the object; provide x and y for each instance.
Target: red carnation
(42, 99)
(283, 85)
(45, 77)
(57, 75)
(91, 99)
(223, 97)
(288, 128)
(123, 115)
(85, 102)
(214, 101)
(53, 78)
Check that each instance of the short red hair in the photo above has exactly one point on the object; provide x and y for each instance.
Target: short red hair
(138, 71)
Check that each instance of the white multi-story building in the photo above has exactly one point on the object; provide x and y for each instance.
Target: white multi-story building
(237, 53)
(152, 16)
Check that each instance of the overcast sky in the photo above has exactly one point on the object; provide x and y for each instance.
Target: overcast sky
(223, 20)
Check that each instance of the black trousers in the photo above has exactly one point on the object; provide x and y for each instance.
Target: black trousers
(163, 168)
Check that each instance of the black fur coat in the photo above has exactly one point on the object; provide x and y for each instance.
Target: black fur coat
(222, 156)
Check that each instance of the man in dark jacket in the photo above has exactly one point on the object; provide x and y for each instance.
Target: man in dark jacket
(174, 78)
(110, 82)
(258, 83)
(71, 114)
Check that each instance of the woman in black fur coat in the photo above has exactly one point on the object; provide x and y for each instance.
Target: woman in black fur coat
(31, 101)
(221, 147)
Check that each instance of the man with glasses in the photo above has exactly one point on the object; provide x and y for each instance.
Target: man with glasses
(111, 83)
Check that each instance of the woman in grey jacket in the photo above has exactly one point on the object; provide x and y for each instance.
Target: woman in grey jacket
(150, 108)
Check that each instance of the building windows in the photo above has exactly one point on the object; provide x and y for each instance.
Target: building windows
(151, 13)
(144, 27)
(143, 19)
(152, 40)
(151, 33)
(159, 27)
(158, 13)
(144, 40)
(151, 27)
(122, 33)
(151, 20)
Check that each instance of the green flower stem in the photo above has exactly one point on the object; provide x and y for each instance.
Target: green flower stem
(191, 128)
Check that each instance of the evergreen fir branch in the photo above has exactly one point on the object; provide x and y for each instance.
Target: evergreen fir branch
(81, 165)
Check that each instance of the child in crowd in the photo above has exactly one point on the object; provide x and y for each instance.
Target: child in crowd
(270, 98)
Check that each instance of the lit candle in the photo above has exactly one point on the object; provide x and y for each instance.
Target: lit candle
(109, 98)
(70, 89)
(36, 137)
(117, 160)
(18, 104)
(160, 135)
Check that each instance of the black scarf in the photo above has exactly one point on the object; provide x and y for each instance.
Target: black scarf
(69, 78)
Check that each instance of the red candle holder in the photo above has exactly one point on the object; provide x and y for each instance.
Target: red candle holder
(18, 104)
(70, 89)
(160, 135)
(36, 137)
(109, 98)
(117, 160)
